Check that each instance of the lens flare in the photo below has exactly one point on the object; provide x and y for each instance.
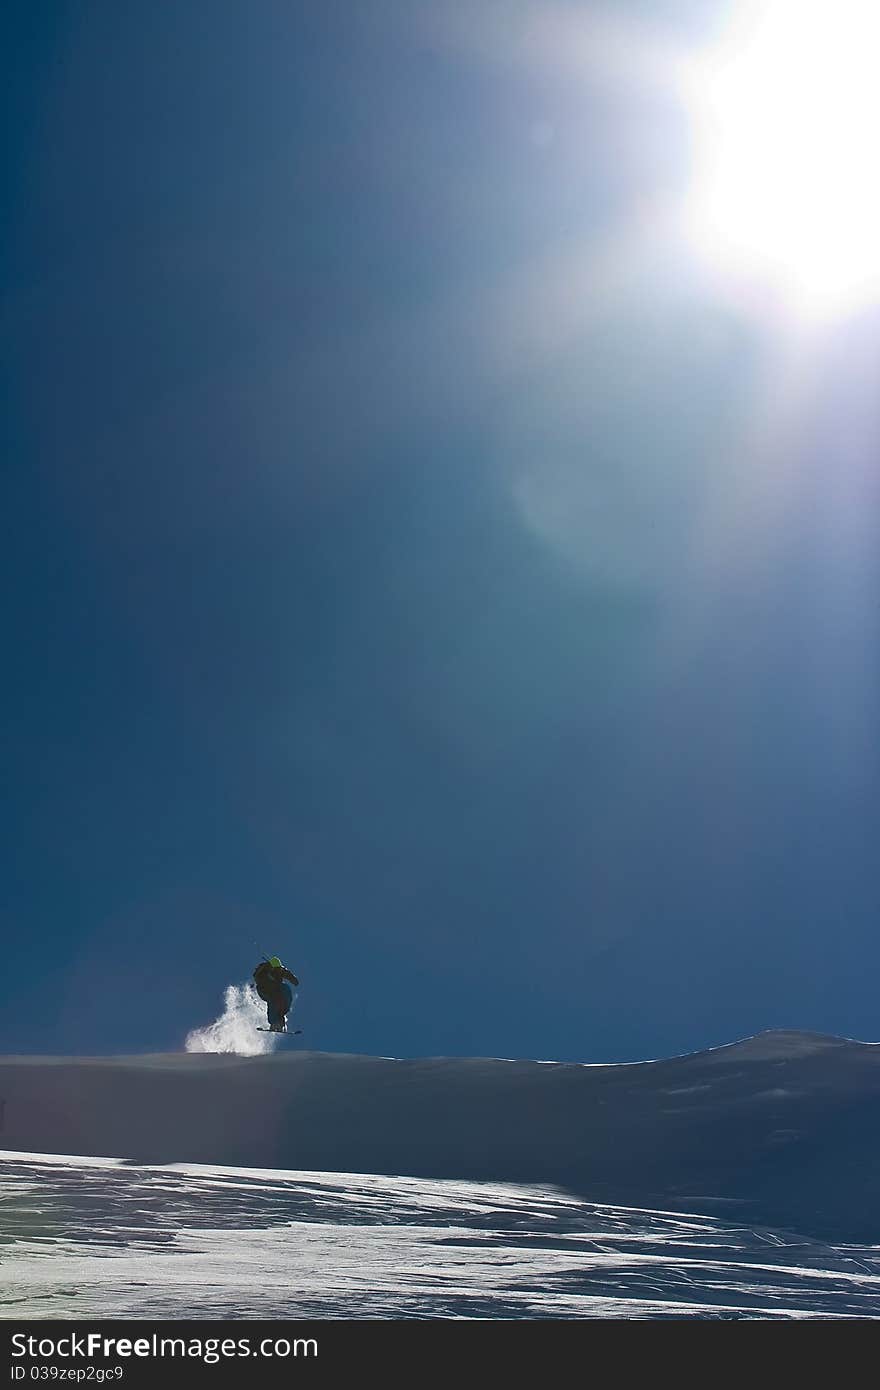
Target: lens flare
(786, 114)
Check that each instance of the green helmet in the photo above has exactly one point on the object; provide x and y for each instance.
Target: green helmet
(275, 962)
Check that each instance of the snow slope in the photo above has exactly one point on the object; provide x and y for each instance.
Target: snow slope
(97, 1238)
(780, 1130)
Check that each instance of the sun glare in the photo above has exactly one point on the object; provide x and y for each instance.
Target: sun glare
(787, 128)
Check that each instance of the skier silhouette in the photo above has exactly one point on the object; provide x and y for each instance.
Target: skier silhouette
(273, 981)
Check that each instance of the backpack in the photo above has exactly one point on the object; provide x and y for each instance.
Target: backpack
(266, 981)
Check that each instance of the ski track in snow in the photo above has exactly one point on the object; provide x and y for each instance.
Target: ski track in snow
(104, 1238)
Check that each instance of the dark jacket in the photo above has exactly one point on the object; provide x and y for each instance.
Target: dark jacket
(269, 978)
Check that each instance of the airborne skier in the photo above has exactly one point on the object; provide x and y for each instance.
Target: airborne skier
(273, 981)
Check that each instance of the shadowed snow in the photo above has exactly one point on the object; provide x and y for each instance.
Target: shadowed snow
(316, 1184)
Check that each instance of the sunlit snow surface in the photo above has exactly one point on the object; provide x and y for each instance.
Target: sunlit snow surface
(87, 1238)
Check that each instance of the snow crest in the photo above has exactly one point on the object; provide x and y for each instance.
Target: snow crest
(236, 1028)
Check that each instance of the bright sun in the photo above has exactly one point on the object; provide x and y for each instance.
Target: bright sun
(787, 130)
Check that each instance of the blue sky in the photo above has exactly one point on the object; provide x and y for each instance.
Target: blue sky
(416, 564)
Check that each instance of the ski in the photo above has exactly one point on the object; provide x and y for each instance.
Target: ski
(288, 1032)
